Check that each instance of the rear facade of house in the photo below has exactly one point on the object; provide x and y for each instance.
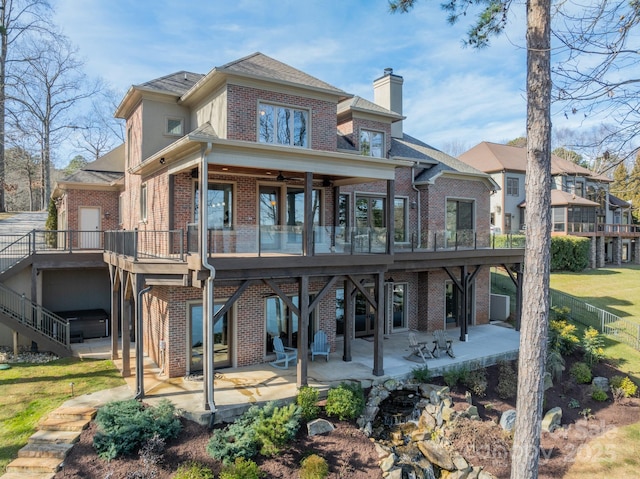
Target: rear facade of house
(257, 201)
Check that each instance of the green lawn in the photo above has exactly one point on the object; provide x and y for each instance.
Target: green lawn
(30, 391)
(613, 289)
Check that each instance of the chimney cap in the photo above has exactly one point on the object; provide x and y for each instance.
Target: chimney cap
(388, 71)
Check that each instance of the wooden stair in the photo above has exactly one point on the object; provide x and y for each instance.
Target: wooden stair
(47, 448)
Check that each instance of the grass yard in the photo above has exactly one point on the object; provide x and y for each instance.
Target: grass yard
(613, 454)
(613, 289)
(30, 391)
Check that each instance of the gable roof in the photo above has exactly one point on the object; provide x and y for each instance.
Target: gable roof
(262, 67)
(494, 157)
(360, 104)
(113, 161)
(177, 83)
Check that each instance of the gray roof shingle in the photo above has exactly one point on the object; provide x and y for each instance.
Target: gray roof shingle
(177, 83)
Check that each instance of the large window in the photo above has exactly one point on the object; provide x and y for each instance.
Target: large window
(558, 214)
(400, 306)
(372, 143)
(282, 322)
(513, 186)
(219, 206)
(400, 220)
(460, 222)
(174, 126)
(221, 339)
(283, 125)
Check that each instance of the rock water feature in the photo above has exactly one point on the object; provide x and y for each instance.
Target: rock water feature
(407, 421)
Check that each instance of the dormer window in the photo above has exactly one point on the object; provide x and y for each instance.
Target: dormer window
(175, 126)
(283, 125)
(371, 143)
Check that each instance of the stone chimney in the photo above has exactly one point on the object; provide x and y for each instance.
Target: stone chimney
(387, 93)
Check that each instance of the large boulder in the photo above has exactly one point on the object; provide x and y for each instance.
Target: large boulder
(508, 420)
(601, 383)
(319, 426)
(552, 419)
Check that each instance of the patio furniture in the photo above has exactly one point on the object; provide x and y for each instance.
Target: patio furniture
(419, 348)
(442, 343)
(320, 346)
(283, 354)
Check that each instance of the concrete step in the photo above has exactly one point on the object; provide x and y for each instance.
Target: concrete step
(58, 451)
(61, 424)
(28, 475)
(54, 437)
(74, 413)
(34, 464)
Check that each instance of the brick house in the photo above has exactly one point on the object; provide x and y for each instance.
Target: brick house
(581, 203)
(322, 214)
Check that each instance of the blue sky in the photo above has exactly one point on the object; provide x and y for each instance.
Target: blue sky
(451, 94)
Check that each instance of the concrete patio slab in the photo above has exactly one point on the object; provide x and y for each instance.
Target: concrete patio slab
(236, 389)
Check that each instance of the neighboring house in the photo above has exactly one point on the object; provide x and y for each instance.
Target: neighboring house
(321, 213)
(580, 201)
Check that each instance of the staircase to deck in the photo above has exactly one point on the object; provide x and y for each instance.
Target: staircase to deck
(19, 313)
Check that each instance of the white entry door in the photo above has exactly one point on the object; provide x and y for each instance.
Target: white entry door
(89, 228)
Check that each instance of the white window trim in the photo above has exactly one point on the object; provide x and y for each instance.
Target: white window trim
(144, 205)
(166, 126)
(384, 141)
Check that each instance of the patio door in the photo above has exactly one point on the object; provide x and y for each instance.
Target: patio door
(269, 221)
(369, 222)
(454, 305)
(282, 322)
(195, 343)
(365, 316)
(89, 228)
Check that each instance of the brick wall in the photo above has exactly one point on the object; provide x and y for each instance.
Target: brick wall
(242, 115)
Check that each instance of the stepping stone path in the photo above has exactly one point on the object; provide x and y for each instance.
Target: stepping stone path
(44, 454)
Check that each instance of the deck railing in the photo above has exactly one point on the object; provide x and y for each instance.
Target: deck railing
(146, 244)
(34, 316)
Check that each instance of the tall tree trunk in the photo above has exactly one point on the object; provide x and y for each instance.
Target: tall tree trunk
(3, 61)
(535, 312)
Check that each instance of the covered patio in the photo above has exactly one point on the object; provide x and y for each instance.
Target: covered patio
(236, 389)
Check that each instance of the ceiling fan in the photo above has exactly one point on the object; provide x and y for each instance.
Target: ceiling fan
(281, 177)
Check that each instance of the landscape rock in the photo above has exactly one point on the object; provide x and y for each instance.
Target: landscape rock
(508, 420)
(601, 383)
(388, 463)
(319, 426)
(436, 454)
(552, 419)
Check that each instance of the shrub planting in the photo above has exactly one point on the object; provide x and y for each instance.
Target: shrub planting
(581, 372)
(314, 467)
(599, 395)
(241, 469)
(421, 374)
(624, 384)
(507, 387)
(454, 376)
(276, 426)
(307, 399)
(345, 401)
(476, 382)
(562, 337)
(237, 440)
(193, 470)
(592, 344)
(124, 426)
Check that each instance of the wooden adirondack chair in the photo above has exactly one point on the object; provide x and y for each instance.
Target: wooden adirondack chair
(320, 346)
(418, 348)
(442, 343)
(283, 354)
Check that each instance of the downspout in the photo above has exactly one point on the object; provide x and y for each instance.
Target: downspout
(415, 188)
(208, 303)
(139, 347)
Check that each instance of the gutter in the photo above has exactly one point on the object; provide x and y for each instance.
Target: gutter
(139, 348)
(207, 304)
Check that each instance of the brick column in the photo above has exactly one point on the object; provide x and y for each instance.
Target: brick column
(593, 252)
(636, 251)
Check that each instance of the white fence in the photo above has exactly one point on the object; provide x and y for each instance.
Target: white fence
(618, 328)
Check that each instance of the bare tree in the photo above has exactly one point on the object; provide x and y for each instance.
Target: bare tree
(52, 83)
(99, 131)
(535, 311)
(595, 72)
(18, 18)
(455, 147)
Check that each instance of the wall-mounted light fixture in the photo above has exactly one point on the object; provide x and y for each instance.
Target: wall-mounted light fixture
(162, 160)
(413, 205)
(107, 215)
